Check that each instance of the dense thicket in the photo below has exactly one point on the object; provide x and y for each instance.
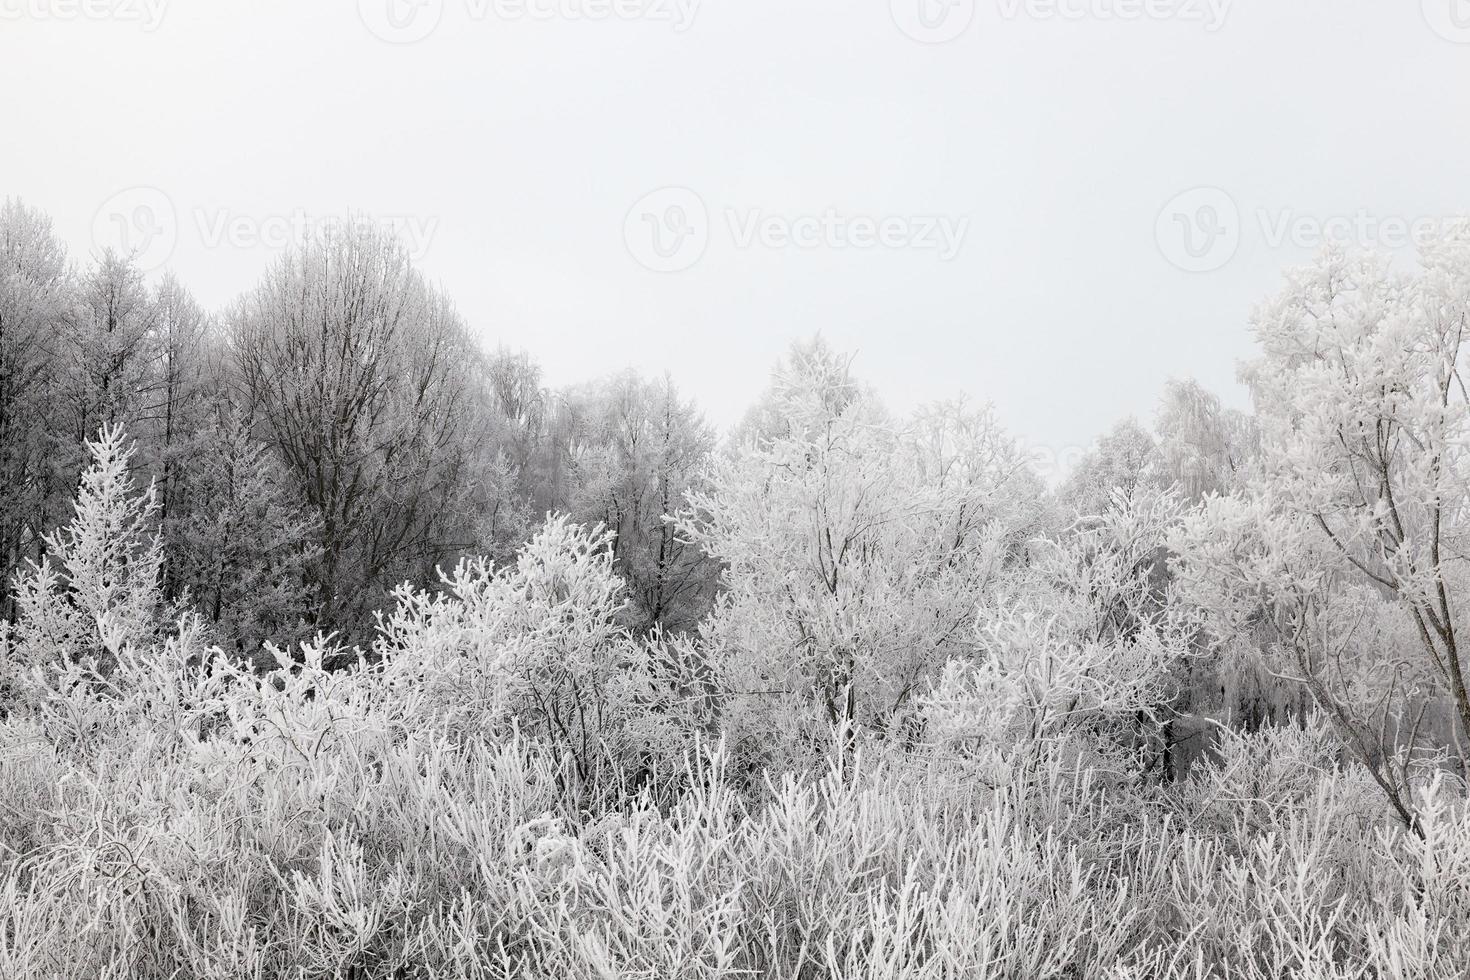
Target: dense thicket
(296, 680)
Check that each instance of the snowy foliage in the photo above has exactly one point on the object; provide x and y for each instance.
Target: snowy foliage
(98, 592)
(855, 547)
(535, 647)
(1348, 545)
(1080, 666)
(241, 545)
(924, 731)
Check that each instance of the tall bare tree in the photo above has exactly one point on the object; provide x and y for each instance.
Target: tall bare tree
(360, 375)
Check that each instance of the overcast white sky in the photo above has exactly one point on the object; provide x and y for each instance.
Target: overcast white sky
(521, 140)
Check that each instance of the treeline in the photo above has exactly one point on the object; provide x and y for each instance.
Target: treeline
(334, 432)
(338, 431)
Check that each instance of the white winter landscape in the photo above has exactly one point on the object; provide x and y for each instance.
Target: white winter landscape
(734, 489)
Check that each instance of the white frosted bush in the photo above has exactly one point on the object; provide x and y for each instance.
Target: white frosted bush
(537, 645)
(1069, 666)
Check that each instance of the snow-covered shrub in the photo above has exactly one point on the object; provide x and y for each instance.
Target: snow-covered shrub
(537, 645)
(1429, 910)
(1076, 664)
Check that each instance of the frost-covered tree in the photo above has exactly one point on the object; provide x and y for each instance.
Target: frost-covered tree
(240, 542)
(1124, 459)
(856, 549)
(1204, 447)
(521, 410)
(181, 389)
(1084, 661)
(34, 287)
(98, 590)
(1349, 546)
(635, 448)
(110, 349)
(360, 377)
